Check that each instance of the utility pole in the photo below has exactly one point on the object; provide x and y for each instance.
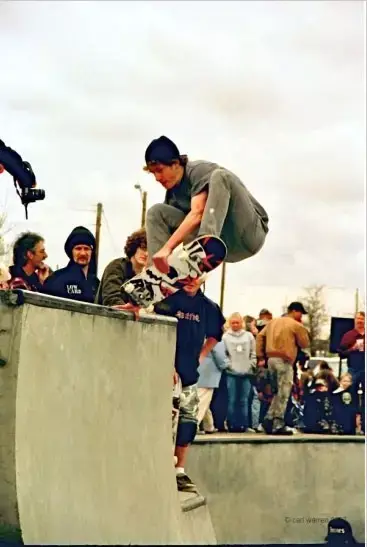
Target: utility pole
(222, 286)
(98, 230)
(144, 208)
(143, 196)
(356, 301)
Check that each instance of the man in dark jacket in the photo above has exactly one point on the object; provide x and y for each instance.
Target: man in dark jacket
(78, 280)
(122, 269)
(199, 328)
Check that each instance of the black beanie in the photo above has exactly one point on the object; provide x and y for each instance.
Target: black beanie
(79, 236)
(162, 150)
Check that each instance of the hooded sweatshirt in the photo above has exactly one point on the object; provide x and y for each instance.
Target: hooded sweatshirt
(241, 352)
(70, 282)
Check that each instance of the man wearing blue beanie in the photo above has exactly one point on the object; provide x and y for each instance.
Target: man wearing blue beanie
(202, 198)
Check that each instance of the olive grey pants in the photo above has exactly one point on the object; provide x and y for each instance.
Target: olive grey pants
(229, 213)
(278, 407)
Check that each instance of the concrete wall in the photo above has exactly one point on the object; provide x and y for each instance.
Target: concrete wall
(94, 460)
(268, 490)
(85, 444)
(9, 356)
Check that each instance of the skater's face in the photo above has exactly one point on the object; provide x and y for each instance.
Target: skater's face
(167, 175)
(82, 254)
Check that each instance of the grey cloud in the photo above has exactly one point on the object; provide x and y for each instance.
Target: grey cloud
(272, 91)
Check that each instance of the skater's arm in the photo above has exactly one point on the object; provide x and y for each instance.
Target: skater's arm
(190, 222)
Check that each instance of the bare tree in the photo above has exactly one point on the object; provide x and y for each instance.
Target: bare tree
(316, 316)
(4, 248)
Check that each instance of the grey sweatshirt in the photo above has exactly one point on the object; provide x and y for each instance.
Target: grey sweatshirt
(241, 352)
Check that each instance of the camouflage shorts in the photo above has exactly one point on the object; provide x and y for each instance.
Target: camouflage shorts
(189, 405)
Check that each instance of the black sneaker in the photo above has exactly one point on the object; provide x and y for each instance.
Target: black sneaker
(283, 431)
(185, 484)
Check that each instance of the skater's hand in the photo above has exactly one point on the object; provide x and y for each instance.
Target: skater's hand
(160, 260)
(175, 378)
(261, 363)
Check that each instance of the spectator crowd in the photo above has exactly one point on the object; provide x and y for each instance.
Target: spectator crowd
(256, 379)
(261, 381)
(252, 374)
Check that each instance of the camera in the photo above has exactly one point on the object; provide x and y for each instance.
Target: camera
(30, 195)
(23, 176)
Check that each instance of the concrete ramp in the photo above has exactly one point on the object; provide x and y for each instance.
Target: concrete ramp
(93, 459)
(269, 490)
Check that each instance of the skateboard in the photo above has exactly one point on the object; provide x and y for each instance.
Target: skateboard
(176, 400)
(187, 262)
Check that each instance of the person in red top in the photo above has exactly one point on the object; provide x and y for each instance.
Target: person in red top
(29, 271)
(352, 346)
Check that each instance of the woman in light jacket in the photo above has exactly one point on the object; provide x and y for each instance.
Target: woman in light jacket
(241, 365)
(210, 373)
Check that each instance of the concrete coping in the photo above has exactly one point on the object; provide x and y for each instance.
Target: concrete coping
(18, 297)
(256, 438)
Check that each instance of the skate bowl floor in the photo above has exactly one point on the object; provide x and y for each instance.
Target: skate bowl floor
(86, 439)
(264, 489)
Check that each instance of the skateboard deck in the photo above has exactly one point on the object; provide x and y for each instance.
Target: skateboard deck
(188, 262)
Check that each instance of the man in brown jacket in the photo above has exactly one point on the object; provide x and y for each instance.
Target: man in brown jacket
(279, 342)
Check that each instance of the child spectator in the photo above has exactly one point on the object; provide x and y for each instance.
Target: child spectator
(345, 406)
(318, 411)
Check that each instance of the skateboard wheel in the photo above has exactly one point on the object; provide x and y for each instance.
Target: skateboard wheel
(129, 288)
(150, 309)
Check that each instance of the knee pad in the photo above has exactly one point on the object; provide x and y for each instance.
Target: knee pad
(186, 433)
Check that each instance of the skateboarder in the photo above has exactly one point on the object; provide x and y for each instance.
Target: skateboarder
(202, 198)
(199, 328)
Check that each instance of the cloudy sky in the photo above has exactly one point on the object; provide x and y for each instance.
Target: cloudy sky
(272, 90)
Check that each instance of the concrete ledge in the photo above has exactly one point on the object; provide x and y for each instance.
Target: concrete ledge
(259, 438)
(19, 298)
(78, 394)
